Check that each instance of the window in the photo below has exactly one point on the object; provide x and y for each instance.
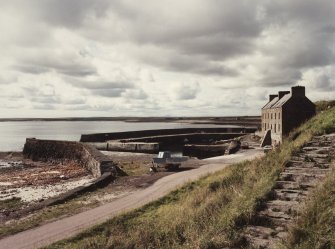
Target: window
(279, 115)
(278, 127)
(275, 115)
(275, 128)
(271, 115)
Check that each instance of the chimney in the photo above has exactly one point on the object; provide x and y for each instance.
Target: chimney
(298, 91)
(272, 96)
(282, 93)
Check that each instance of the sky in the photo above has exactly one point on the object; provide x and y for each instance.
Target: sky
(62, 58)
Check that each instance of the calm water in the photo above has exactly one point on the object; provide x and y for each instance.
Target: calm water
(14, 134)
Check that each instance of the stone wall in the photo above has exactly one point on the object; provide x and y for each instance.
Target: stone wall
(185, 138)
(103, 137)
(65, 151)
(204, 151)
(133, 147)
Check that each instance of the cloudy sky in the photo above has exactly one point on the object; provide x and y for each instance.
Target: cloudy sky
(161, 58)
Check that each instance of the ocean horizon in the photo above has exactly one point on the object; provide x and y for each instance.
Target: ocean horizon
(13, 134)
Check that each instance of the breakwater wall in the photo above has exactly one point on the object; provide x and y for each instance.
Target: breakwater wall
(103, 137)
(65, 151)
(154, 144)
(204, 151)
(185, 138)
(136, 147)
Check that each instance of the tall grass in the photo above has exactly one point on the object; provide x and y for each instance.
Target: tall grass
(208, 213)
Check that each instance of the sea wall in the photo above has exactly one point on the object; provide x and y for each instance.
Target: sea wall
(65, 151)
(133, 147)
(185, 138)
(103, 137)
(204, 151)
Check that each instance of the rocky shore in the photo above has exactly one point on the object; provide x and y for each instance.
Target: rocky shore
(27, 182)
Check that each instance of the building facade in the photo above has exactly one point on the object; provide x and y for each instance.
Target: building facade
(286, 111)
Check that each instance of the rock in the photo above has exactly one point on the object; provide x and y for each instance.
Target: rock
(233, 147)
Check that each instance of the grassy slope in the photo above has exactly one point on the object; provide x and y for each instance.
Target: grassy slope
(207, 213)
(315, 228)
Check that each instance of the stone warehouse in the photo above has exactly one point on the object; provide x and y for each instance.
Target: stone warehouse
(286, 111)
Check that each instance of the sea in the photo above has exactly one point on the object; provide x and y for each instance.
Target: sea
(14, 134)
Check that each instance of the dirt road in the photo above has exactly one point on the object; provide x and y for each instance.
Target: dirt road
(67, 227)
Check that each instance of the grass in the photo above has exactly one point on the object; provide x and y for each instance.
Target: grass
(10, 204)
(134, 169)
(42, 216)
(208, 213)
(324, 105)
(315, 227)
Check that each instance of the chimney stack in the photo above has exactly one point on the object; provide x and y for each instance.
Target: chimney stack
(272, 96)
(298, 91)
(282, 93)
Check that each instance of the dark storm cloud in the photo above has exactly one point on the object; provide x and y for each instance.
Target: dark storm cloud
(315, 21)
(325, 83)
(101, 84)
(316, 14)
(214, 31)
(102, 88)
(111, 93)
(67, 64)
(201, 35)
(181, 64)
(217, 47)
(280, 77)
(69, 14)
(104, 48)
(312, 55)
(31, 69)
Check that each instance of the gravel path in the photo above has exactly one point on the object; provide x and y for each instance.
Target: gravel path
(67, 227)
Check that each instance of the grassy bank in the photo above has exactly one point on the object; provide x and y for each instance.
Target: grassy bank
(207, 213)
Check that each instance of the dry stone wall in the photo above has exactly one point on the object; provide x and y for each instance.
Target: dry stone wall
(65, 151)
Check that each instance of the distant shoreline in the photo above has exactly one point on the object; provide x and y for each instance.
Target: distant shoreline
(230, 119)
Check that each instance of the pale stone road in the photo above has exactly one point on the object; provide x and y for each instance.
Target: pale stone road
(67, 227)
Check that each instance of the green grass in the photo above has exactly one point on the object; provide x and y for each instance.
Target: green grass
(76, 205)
(208, 213)
(42, 216)
(201, 214)
(324, 105)
(10, 204)
(134, 169)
